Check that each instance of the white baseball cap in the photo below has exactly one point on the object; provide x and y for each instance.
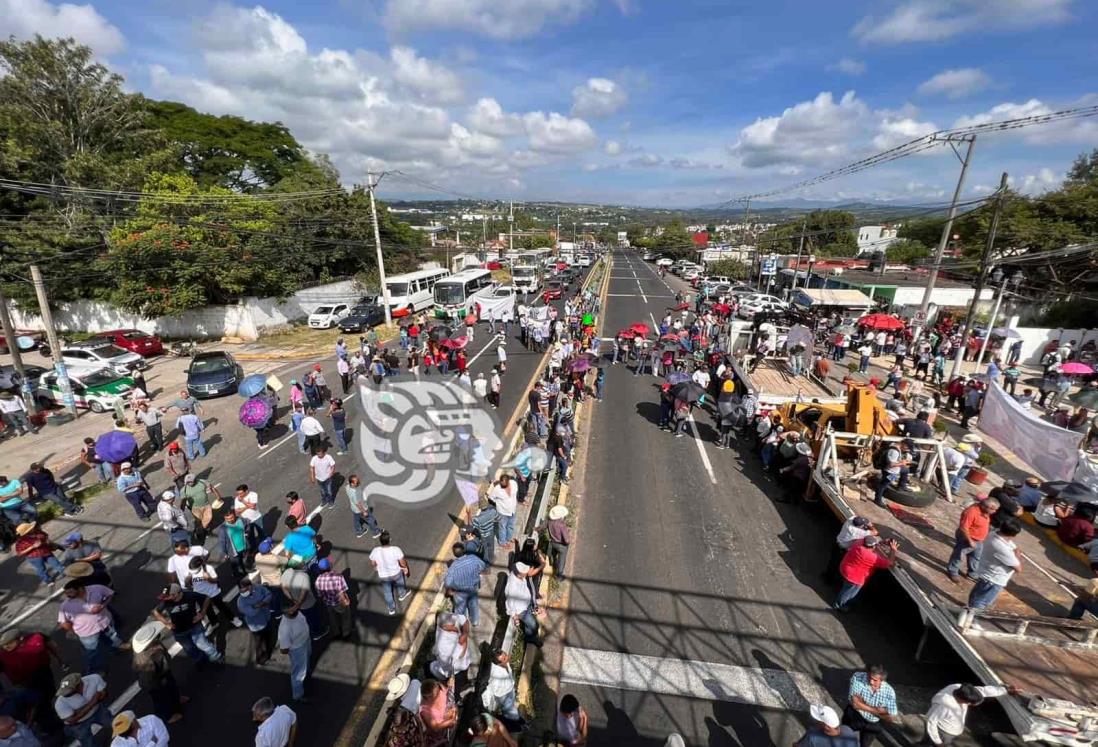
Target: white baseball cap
(825, 715)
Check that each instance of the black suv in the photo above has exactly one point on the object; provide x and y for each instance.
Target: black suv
(362, 317)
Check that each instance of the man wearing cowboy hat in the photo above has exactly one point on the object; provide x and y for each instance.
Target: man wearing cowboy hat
(827, 730)
(130, 731)
(80, 704)
(798, 470)
(35, 546)
(560, 538)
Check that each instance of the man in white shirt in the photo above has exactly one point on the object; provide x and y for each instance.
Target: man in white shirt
(179, 564)
(130, 731)
(172, 519)
(392, 568)
(505, 495)
(343, 367)
(480, 386)
(701, 377)
(945, 721)
(295, 640)
(246, 504)
(518, 601)
(321, 469)
(1000, 559)
(879, 342)
(852, 532)
(277, 726)
(313, 431)
(81, 704)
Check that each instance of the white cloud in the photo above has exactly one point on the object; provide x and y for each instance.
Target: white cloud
(849, 66)
(956, 84)
(1033, 184)
(612, 148)
(1055, 133)
(825, 131)
(430, 79)
(933, 20)
(512, 19)
(488, 116)
(556, 133)
(25, 18)
(598, 97)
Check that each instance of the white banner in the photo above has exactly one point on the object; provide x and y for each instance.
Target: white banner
(500, 309)
(1051, 450)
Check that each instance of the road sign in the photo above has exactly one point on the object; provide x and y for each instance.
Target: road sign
(919, 318)
(769, 267)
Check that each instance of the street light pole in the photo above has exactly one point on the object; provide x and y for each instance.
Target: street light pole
(947, 229)
(800, 248)
(981, 279)
(370, 184)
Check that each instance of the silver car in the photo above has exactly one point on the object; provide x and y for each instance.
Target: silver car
(102, 353)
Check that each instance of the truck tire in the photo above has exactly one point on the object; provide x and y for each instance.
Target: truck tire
(910, 498)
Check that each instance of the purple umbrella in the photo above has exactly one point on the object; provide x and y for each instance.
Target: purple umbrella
(255, 412)
(115, 446)
(677, 377)
(581, 365)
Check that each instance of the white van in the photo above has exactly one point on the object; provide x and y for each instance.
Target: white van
(413, 291)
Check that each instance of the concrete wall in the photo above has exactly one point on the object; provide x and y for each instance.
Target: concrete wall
(247, 319)
(1034, 339)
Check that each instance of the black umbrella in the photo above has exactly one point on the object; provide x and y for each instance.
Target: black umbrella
(1086, 397)
(688, 391)
(1069, 492)
(440, 332)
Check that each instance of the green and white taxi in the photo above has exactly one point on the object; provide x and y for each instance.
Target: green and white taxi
(95, 389)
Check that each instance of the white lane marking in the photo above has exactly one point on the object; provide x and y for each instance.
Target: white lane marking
(701, 448)
(494, 341)
(633, 295)
(654, 325)
(293, 434)
(639, 288)
(765, 688)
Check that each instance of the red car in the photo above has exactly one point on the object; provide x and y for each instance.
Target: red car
(134, 341)
(554, 289)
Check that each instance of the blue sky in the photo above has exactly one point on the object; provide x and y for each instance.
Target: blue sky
(646, 102)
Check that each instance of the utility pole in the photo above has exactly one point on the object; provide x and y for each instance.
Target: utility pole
(1004, 281)
(483, 239)
(981, 279)
(16, 355)
(800, 249)
(377, 243)
(511, 230)
(947, 229)
(55, 345)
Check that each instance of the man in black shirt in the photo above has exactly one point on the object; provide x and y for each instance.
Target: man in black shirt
(182, 613)
(41, 486)
(917, 427)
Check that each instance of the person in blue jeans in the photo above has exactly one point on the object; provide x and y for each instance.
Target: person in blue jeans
(34, 545)
(361, 513)
(295, 426)
(182, 612)
(81, 704)
(339, 424)
(392, 569)
(895, 470)
(15, 508)
(42, 486)
(462, 582)
(190, 426)
(999, 561)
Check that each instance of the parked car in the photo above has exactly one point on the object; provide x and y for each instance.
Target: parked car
(690, 273)
(95, 389)
(38, 341)
(553, 289)
(648, 256)
(583, 260)
(362, 317)
(98, 352)
(664, 262)
(328, 316)
(212, 374)
(749, 309)
(133, 340)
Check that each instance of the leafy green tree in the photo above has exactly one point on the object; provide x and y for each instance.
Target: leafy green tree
(675, 241)
(730, 268)
(828, 233)
(1084, 170)
(907, 251)
(175, 255)
(227, 151)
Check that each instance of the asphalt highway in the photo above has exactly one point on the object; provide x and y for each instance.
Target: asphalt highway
(697, 604)
(222, 696)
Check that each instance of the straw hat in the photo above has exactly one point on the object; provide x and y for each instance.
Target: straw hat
(79, 569)
(558, 512)
(522, 568)
(26, 528)
(122, 722)
(10, 636)
(972, 438)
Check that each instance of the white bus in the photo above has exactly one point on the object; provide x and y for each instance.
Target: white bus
(456, 296)
(414, 291)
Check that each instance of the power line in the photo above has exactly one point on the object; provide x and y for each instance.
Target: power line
(920, 144)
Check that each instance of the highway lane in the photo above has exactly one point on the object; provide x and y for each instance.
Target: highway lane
(696, 603)
(223, 695)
